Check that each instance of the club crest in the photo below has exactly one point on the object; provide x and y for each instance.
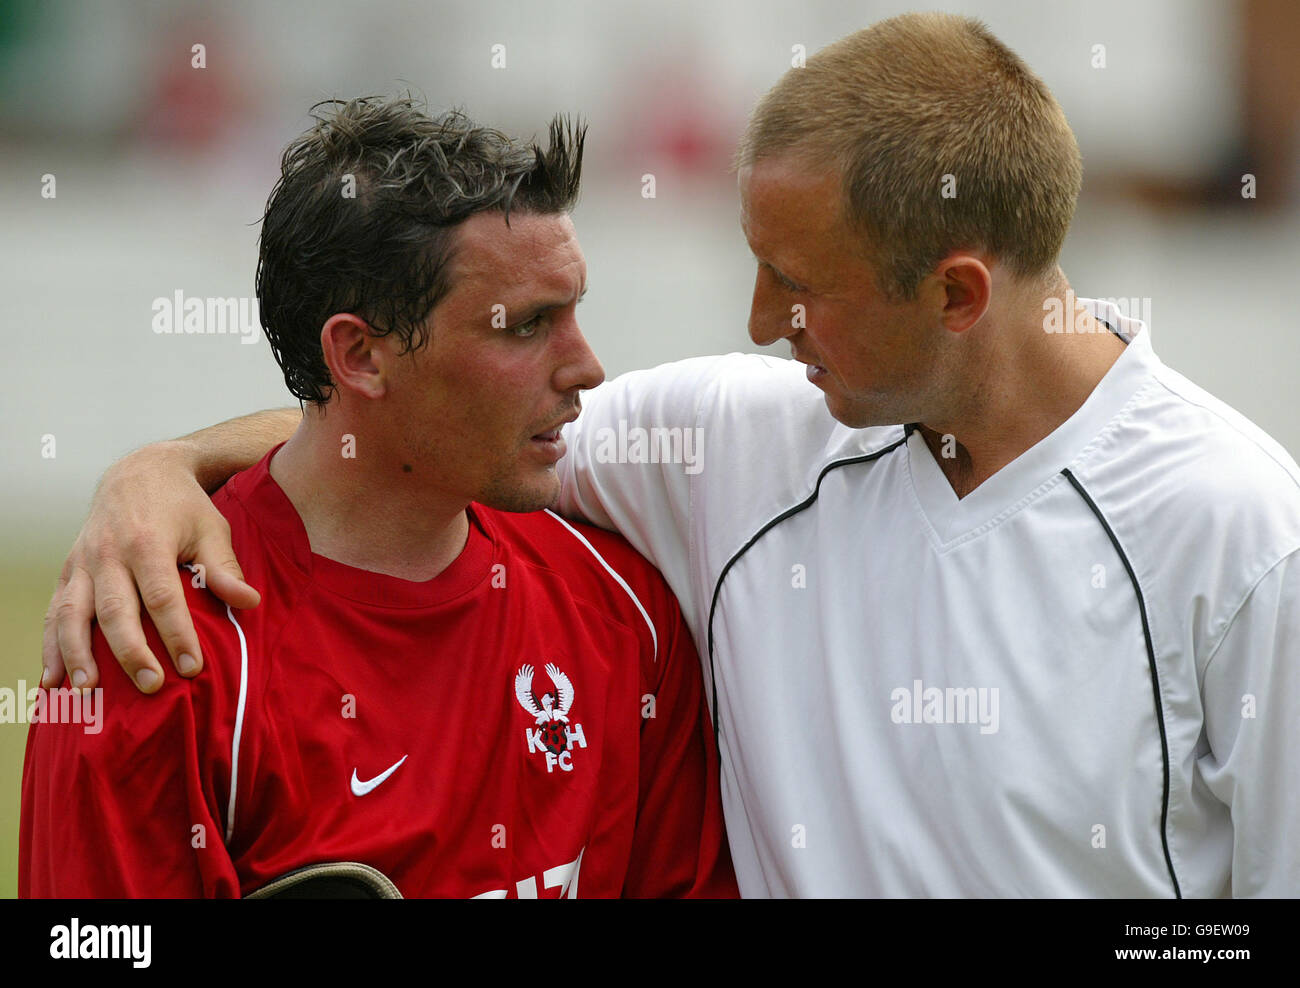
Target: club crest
(552, 732)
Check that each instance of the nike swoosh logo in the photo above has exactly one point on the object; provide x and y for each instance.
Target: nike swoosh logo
(360, 788)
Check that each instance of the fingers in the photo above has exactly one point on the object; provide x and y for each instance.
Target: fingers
(213, 568)
(222, 573)
(71, 611)
(163, 595)
(147, 512)
(112, 597)
(118, 610)
(51, 657)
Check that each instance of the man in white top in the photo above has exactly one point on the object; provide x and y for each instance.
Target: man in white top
(1041, 640)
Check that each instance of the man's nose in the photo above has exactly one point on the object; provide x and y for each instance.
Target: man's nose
(579, 369)
(769, 322)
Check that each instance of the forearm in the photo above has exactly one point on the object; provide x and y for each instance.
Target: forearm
(217, 453)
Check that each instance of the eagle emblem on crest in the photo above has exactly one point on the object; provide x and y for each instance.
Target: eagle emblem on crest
(551, 709)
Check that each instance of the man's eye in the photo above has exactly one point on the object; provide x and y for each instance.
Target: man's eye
(527, 329)
(785, 282)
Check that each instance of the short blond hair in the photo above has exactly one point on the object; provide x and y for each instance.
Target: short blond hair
(906, 110)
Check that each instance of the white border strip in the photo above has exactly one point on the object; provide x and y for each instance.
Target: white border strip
(610, 570)
(239, 724)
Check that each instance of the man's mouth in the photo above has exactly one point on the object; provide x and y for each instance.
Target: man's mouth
(550, 445)
(552, 435)
(815, 371)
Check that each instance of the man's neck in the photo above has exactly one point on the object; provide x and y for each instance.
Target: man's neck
(1027, 383)
(366, 514)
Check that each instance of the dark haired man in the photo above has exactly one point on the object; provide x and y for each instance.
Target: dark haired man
(444, 682)
(1002, 606)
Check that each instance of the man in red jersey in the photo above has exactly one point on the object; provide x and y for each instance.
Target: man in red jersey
(443, 681)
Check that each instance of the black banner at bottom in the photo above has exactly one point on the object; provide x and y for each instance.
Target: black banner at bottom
(133, 939)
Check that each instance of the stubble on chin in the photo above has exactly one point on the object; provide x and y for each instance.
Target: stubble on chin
(854, 415)
(510, 494)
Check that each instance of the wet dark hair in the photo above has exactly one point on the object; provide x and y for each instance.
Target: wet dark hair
(363, 217)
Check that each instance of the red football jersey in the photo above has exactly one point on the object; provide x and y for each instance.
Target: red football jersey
(530, 723)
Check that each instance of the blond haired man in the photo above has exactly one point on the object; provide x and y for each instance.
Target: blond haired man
(1002, 606)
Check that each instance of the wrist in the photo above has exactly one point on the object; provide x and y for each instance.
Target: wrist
(171, 454)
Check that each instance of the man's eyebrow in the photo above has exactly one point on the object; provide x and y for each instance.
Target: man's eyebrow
(560, 305)
(777, 271)
(533, 311)
(763, 262)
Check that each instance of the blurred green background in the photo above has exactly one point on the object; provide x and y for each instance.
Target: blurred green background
(26, 582)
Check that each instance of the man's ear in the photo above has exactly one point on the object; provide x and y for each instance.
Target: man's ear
(967, 287)
(353, 355)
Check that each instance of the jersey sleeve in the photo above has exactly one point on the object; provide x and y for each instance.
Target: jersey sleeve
(614, 473)
(1252, 693)
(129, 807)
(680, 844)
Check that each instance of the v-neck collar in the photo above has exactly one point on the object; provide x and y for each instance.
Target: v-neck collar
(1039, 467)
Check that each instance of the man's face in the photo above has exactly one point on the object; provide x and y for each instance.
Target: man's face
(483, 401)
(875, 360)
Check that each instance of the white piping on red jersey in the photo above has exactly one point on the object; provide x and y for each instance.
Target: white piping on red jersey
(239, 723)
(610, 570)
